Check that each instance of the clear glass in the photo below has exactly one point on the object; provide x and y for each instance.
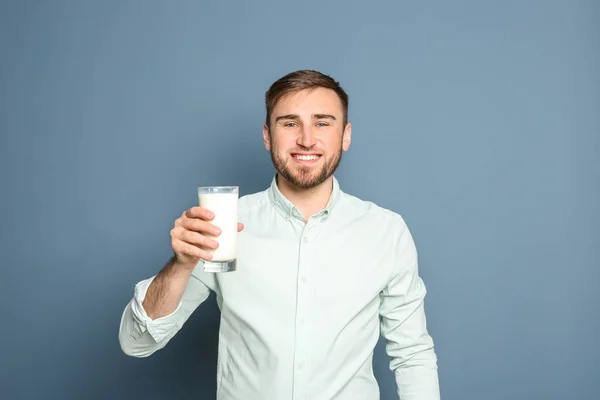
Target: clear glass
(223, 202)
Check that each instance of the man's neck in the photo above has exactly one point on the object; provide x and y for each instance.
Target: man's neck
(308, 201)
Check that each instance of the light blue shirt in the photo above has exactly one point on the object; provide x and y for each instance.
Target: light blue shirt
(303, 312)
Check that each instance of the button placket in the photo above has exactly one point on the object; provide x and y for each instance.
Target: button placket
(303, 297)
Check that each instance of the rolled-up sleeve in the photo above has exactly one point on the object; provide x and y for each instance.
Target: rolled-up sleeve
(403, 325)
(140, 335)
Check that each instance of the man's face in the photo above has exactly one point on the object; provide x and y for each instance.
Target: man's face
(307, 136)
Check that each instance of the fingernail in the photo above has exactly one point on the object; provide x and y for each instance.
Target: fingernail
(217, 231)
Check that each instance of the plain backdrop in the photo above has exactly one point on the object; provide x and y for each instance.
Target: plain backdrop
(478, 121)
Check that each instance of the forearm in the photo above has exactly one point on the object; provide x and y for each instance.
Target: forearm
(140, 334)
(417, 379)
(166, 290)
(412, 352)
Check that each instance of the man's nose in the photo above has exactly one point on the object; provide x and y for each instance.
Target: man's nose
(307, 137)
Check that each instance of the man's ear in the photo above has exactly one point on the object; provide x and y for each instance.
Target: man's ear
(347, 138)
(266, 137)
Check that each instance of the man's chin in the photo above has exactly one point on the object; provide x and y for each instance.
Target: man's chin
(302, 177)
(305, 181)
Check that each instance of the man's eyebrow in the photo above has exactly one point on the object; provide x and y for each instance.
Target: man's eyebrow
(295, 116)
(323, 116)
(288, 116)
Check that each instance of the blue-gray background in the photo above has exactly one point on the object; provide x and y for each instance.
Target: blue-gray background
(478, 121)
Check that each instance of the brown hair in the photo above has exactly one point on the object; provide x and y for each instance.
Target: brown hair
(301, 80)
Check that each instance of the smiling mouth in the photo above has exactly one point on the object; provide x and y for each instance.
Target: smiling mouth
(306, 157)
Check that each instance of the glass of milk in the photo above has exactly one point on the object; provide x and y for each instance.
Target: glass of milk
(223, 202)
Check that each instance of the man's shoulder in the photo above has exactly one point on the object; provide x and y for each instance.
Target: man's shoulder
(370, 209)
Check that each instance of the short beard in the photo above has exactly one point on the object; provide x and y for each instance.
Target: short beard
(302, 179)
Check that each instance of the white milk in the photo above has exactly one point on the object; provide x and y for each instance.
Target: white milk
(225, 208)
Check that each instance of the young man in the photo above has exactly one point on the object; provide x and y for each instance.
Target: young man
(320, 273)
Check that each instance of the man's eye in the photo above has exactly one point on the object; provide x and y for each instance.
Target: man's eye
(291, 124)
(322, 124)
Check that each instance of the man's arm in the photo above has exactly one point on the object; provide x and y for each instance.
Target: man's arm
(159, 308)
(166, 290)
(162, 304)
(403, 324)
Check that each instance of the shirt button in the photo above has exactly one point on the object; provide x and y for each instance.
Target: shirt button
(300, 366)
(303, 279)
(305, 240)
(301, 321)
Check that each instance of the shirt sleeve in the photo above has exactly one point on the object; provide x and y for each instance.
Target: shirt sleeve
(140, 335)
(403, 325)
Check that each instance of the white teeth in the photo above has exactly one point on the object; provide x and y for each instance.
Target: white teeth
(306, 158)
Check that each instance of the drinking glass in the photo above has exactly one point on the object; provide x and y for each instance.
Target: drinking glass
(223, 202)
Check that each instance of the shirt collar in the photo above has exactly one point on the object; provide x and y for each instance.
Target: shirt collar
(288, 210)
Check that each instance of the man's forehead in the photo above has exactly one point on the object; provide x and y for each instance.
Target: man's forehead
(319, 100)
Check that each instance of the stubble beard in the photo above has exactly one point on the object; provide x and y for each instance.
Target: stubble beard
(304, 177)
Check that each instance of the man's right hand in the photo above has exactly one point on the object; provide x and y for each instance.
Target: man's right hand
(189, 236)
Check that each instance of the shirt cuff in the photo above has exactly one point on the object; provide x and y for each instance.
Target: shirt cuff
(159, 328)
